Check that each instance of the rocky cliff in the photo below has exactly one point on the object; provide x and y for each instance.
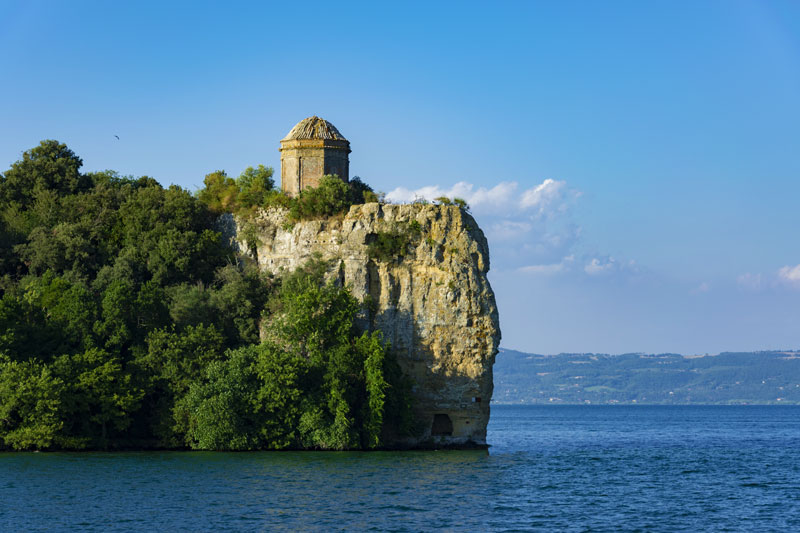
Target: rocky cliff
(433, 302)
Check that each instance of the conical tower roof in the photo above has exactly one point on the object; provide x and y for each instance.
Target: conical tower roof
(314, 128)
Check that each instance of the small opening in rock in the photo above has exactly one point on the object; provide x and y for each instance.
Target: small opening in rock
(442, 425)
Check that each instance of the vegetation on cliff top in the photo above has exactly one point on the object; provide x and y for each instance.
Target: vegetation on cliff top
(255, 189)
(126, 321)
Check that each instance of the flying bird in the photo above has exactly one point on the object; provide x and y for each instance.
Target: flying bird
(117, 136)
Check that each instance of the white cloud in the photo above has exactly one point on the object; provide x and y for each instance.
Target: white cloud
(790, 275)
(529, 226)
(549, 269)
(547, 198)
(544, 195)
(786, 276)
(529, 230)
(750, 281)
(600, 266)
(509, 229)
(499, 197)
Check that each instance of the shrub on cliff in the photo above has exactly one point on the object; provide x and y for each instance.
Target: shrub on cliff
(460, 202)
(361, 193)
(388, 245)
(331, 197)
(255, 188)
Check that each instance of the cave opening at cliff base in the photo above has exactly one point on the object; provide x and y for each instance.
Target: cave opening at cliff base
(442, 426)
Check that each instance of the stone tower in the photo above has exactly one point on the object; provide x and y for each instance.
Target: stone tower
(314, 148)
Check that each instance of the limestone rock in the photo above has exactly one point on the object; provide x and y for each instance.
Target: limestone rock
(434, 304)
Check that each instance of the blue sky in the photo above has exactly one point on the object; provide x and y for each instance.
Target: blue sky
(635, 165)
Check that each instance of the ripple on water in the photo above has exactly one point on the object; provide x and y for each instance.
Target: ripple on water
(550, 468)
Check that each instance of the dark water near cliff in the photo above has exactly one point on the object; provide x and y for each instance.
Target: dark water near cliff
(550, 468)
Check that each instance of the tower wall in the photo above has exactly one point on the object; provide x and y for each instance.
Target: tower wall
(305, 161)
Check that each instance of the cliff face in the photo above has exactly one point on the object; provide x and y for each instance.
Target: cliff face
(434, 304)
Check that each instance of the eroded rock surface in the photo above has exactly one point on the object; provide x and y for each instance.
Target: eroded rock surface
(434, 304)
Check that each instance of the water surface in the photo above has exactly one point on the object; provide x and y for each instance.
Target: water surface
(581, 468)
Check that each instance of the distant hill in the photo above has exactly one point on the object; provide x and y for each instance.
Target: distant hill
(727, 378)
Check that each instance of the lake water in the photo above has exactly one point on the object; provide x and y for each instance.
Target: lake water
(569, 468)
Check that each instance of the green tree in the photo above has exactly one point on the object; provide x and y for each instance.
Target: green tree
(66, 247)
(69, 306)
(281, 395)
(190, 305)
(25, 332)
(117, 322)
(172, 362)
(220, 192)
(312, 315)
(238, 296)
(151, 309)
(99, 396)
(255, 186)
(49, 166)
(30, 405)
(374, 354)
(179, 357)
(222, 408)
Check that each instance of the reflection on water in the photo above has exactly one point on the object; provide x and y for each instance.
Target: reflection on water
(550, 467)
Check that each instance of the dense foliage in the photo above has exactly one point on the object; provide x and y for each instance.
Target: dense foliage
(126, 321)
(316, 382)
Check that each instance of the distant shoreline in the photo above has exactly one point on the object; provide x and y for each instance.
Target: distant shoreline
(620, 404)
(730, 378)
